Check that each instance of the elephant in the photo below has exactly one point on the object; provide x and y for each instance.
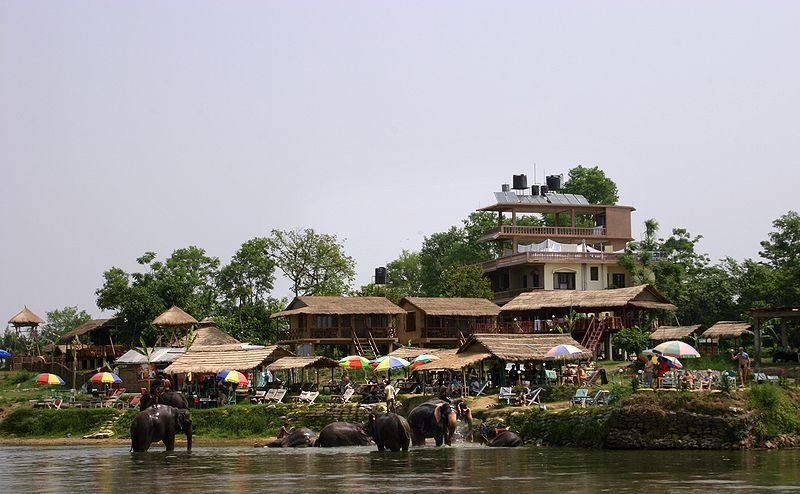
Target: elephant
(389, 430)
(160, 423)
(504, 439)
(342, 434)
(171, 398)
(434, 418)
(297, 438)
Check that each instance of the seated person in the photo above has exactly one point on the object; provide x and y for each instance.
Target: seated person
(707, 380)
(523, 395)
(474, 386)
(581, 375)
(689, 378)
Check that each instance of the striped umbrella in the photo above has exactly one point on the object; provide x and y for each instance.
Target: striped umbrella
(562, 351)
(106, 378)
(677, 349)
(48, 378)
(388, 363)
(354, 362)
(232, 376)
(423, 359)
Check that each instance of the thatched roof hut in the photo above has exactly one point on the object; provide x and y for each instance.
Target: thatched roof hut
(456, 361)
(520, 347)
(25, 318)
(453, 307)
(340, 305)
(90, 326)
(728, 329)
(668, 333)
(158, 355)
(212, 335)
(217, 358)
(285, 363)
(411, 352)
(636, 297)
(174, 317)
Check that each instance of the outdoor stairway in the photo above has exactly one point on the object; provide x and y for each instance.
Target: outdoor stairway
(360, 347)
(594, 333)
(106, 430)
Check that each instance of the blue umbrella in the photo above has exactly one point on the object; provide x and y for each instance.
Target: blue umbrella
(4, 354)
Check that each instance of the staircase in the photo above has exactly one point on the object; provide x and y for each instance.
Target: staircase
(370, 345)
(594, 333)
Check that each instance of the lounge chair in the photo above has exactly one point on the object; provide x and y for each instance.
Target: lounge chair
(534, 397)
(600, 398)
(259, 396)
(344, 398)
(762, 377)
(278, 396)
(580, 398)
(506, 393)
(592, 378)
(480, 389)
(550, 376)
(113, 400)
(307, 397)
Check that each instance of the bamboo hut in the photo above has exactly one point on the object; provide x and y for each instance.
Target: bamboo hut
(174, 320)
(724, 330)
(446, 320)
(669, 333)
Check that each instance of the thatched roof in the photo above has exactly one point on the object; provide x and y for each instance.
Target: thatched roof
(439, 306)
(26, 317)
(285, 363)
(174, 316)
(207, 321)
(340, 305)
(411, 352)
(667, 333)
(520, 347)
(455, 362)
(217, 358)
(88, 327)
(728, 329)
(212, 335)
(636, 297)
(158, 355)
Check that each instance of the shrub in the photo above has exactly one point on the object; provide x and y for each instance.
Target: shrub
(34, 422)
(776, 409)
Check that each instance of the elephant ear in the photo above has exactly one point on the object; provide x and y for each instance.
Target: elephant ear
(437, 414)
(184, 419)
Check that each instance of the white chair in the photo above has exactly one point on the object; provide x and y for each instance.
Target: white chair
(506, 393)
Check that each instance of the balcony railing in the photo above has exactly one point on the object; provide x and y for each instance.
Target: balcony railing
(336, 333)
(542, 257)
(545, 231)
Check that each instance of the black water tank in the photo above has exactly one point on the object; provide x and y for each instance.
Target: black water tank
(554, 182)
(543, 189)
(505, 187)
(380, 276)
(534, 190)
(520, 182)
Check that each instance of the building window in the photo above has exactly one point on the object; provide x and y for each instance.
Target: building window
(524, 281)
(564, 281)
(618, 280)
(594, 273)
(535, 280)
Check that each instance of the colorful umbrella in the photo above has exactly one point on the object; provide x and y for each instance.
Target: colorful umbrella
(677, 349)
(388, 363)
(48, 378)
(232, 376)
(423, 359)
(106, 377)
(4, 354)
(563, 351)
(354, 362)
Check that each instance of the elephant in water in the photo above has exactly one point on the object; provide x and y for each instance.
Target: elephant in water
(342, 434)
(160, 423)
(503, 439)
(297, 438)
(389, 431)
(171, 398)
(434, 418)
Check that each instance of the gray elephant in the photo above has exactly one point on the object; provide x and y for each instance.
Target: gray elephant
(504, 439)
(389, 431)
(342, 434)
(434, 418)
(171, 398)
(160, 423)
(296, 438)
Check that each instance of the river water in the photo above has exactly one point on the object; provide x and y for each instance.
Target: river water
(470, 468)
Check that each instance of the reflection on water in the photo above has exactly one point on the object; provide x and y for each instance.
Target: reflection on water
(106, 469)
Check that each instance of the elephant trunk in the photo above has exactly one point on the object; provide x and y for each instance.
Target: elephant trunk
(188, 438)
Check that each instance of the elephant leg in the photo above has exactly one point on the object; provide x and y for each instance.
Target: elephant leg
(439, 438)
(380, 445)
(169, 442)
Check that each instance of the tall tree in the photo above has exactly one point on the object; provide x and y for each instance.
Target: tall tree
(782, 252)
(593, 184)
(62, 321)
(314, 263)
(466, 281)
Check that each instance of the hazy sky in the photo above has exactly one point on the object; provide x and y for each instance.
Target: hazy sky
(128, 127)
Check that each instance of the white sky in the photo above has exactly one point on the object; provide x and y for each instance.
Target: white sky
(128, 127)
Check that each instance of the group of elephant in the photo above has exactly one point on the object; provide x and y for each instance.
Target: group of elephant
(436, 418)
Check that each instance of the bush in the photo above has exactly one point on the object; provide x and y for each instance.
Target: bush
(776, 409)
(35, 422)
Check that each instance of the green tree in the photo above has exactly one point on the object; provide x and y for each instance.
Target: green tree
(593, 184)
(632, 340)
(314, 263)
(466, 281)
(782, 252)
(61, 321)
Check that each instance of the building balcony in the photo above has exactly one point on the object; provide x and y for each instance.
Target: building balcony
(577, 234)
(338, 334)
(538, 257)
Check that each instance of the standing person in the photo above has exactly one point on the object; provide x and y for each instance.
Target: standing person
(744, 365)
(389, 394)
(647, 375)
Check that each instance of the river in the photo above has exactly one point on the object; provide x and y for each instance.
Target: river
(109, 469)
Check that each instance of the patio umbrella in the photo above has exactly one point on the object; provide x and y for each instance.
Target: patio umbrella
(562, 351)
(106, 378)
(48, 378)
(232, 376)
(388, 363)
(354, 362)
(677, 349)
(4, 353)
(672, 362)
(423, 359)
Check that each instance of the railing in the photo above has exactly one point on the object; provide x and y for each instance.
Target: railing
(336, 333)
(539, 256)
(545, 231)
